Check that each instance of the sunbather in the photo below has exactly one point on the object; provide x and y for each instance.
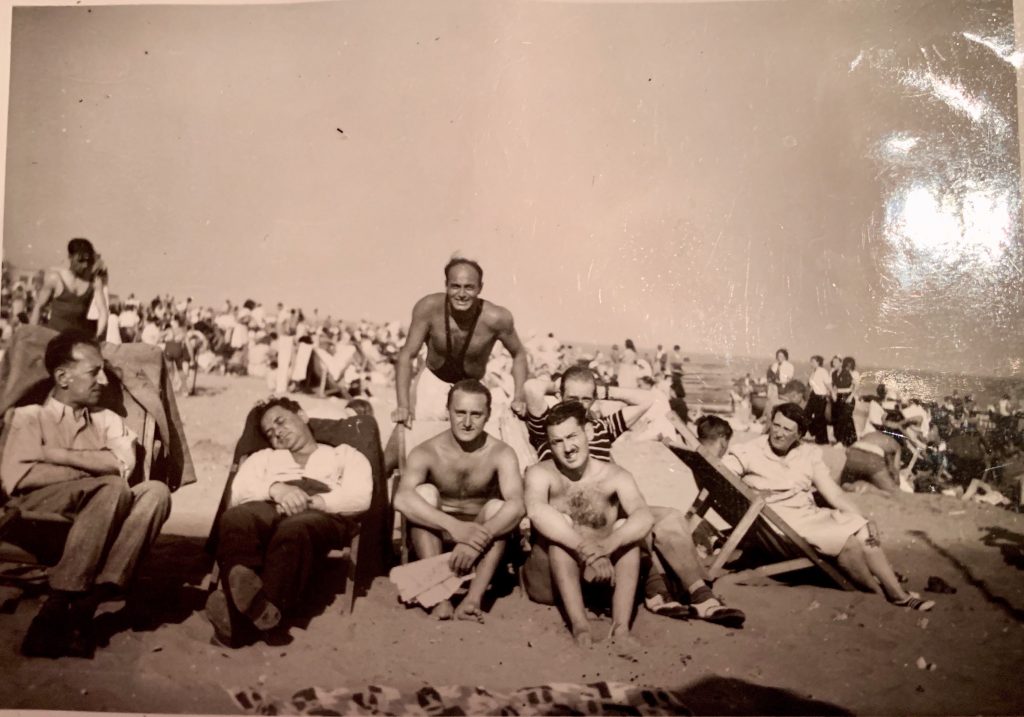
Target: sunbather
(589, 519)
(785, 471)
(671, 542)
(463, 487)
(290, 505)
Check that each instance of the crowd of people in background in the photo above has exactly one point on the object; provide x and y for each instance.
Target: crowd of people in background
(952, 445)
(901, 442)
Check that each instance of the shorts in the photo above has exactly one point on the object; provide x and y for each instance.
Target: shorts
(861, 465)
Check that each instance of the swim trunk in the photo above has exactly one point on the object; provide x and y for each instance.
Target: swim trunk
(430, 397)
(862, 462)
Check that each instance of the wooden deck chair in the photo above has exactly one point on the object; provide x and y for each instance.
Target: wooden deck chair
(406, 440)
(369, 552)
(754, 524)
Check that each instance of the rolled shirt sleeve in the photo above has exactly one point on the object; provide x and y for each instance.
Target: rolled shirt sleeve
(256, 474)
(23, 448)
(120, 440)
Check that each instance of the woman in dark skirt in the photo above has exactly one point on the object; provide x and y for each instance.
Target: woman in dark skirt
(844, 402)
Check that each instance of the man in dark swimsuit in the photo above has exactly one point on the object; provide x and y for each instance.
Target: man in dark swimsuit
(68, 293)
(459, 329)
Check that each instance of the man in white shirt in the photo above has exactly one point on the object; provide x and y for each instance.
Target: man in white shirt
(290, 505)
(69, 456)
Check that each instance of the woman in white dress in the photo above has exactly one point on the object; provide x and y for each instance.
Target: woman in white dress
(785, 471)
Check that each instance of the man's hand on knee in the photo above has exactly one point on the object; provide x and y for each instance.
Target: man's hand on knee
(474, 535)
(600, 570)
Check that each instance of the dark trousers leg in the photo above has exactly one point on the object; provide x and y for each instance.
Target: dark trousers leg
(816, 415)
(97, 506)
(244, 534)
(298, 544)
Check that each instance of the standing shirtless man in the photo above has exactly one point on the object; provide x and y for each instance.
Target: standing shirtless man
(590, 518)
(459, 329)
(463, 486)
(69, 292)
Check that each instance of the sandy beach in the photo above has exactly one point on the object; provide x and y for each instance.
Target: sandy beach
(805, 648)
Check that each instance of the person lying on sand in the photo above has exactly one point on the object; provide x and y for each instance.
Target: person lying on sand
(291, 504)
(464, 487)
(785, 471)
(670, 544)
(589, 519)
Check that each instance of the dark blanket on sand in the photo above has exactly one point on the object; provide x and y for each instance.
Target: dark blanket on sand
(598, 698)
(139, 384)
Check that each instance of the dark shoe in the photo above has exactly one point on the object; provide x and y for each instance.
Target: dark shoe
(82, 641)
(50, 632)
(667, 607)
(247, 594)
(219, 614)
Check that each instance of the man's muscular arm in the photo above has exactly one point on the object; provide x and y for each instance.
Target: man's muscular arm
(520, 361)
(412, 505)
(51, 282)
(637, 525)
(419, 329)
(546, 520)
(637, 400)
(510, 482)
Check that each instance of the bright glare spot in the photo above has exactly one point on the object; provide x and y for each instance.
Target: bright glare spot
(1003, 50)
(951, 231)
(900, 144)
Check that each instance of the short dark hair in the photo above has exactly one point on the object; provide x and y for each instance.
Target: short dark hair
(456, 260)
(577, 373)
(562, 412)
(361, 406)
(79, 245)
(470, 385)
(784, 352)
(795, 386)
(794, 413)
(277, 401)
(61, 348)
(849, 363)
(818, 359)
(711, 427)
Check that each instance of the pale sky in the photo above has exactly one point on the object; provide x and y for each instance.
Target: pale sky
(734, 177)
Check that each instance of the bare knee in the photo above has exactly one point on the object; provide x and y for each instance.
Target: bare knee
(429, 493)
(491, 508)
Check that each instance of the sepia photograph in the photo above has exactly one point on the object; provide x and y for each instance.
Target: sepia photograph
(517, 357)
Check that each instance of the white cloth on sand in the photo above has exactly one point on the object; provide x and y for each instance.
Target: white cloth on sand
(427, 581)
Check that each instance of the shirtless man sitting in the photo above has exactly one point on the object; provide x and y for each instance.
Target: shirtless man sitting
(590, 519)
(464, 487)
(671, 540)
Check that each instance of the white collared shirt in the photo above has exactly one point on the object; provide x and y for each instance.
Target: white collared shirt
(343, 469)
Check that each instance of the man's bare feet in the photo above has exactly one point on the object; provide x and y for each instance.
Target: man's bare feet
(443, 611)
(620, 637)
(581, 635)
(469, 610)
